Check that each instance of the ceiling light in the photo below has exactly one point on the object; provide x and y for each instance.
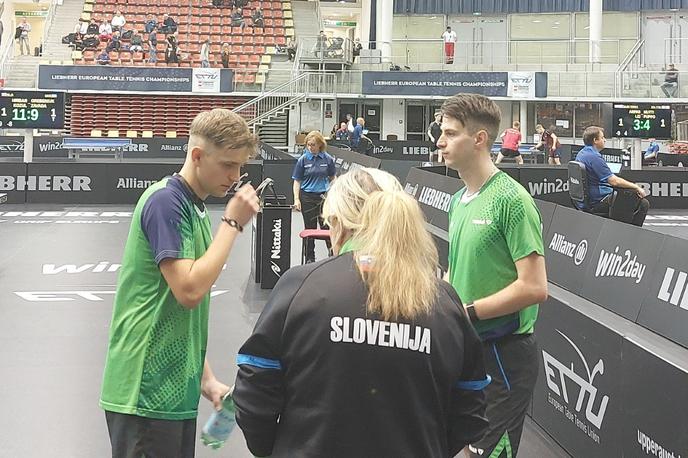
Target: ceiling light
(536, 21)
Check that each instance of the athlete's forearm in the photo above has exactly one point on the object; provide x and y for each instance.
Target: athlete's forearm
(518, 295)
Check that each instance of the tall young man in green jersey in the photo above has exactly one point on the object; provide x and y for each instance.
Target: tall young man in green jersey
(156, 368)
(496, 264)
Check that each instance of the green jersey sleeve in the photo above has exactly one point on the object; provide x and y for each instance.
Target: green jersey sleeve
(522, 228)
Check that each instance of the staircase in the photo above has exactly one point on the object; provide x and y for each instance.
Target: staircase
(63, 22)
(22, 71)
(276, 131)
(305, 16)
(280, 73)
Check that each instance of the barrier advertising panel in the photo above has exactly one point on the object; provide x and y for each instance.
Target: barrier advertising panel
(547, 183)
(434, 193)
(347, 159)
(13, 182)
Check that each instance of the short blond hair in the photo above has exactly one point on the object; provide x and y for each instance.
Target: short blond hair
(316, 136)
(224, 129)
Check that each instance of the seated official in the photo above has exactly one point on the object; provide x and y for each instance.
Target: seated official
(650, 154)
(601, 180)
(366, 354)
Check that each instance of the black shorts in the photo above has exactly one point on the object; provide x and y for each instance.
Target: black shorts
(512, 362)
(506, 152)
(132, 436)
(554, 153)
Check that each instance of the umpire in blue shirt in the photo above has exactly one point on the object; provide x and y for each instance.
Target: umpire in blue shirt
(601, 180)
(313, 173)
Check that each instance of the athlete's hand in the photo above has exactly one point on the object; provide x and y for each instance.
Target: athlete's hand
(213, 390)
(641, 192)
(243, 205)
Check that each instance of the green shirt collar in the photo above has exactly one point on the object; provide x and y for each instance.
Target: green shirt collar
(348, 246)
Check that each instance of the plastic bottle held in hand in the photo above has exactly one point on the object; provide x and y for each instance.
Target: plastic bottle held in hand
(220, 424)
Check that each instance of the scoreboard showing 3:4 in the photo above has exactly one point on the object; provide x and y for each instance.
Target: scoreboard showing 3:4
(32, 110)
(641, 120)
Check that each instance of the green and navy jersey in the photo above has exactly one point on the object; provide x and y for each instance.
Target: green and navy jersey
(157, 346)
(487, 235)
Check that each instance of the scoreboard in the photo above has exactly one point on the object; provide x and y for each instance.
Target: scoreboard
(641, 120)
(32, 110)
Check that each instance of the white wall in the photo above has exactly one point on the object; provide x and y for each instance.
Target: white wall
(393, 118)
(505, 108)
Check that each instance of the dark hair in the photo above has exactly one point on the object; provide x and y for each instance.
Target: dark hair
(474, 112)
(590, 134)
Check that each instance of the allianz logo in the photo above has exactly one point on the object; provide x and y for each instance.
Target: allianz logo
(674, 292)
(616, 264)
(548, 187)
(575, 251)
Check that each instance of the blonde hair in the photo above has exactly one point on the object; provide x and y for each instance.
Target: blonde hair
(318, 138)
(388, 226)
(224, 129)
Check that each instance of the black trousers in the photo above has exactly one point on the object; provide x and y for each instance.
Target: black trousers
(311, 209)
(132, 436)
(628, 207)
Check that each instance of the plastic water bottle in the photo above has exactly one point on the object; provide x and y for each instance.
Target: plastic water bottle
(220, 424)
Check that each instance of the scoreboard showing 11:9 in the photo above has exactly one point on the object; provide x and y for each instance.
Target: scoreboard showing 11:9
(32, 110)
(641, 120)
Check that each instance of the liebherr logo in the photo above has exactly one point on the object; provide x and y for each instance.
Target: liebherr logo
(558, 374)
(569, 249)
(434, 198)
(275, 252)
(614, 264)
(45, 183)
(665, 189)
(674, 293)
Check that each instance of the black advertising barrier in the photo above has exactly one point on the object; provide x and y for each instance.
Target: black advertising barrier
(269, 152)
(569, 246)
(434, 191)
(101, 182)
(496, 84)
(655, 394)
(671, 159)
(546, 212)
(622, 267)
(11, 146)
(665, 308)
(142, 79)
(667, 187)
(550, 183)
(140, 148)
(271, 247)
(347, 159)
(13, 182)
(279, 166)
(578, 394)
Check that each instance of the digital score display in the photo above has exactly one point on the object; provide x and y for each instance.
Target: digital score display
(641, 120)
(32, 110)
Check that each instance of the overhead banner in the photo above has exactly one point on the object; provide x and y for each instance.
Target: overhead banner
(156, 147)
(140, 79)
(492, 84)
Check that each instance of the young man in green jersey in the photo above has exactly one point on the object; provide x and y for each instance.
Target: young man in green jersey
(496, 264)
(156, 368)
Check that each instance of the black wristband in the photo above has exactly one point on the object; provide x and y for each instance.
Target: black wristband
(233, 223)
(470, 309)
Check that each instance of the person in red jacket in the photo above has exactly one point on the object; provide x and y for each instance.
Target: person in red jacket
(511, 140)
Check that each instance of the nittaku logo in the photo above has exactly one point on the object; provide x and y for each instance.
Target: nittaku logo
(275, 252)
(12, 146)
(575, 251)
(674, 293)
(548, 187)
(613, 264)
(665, 189)
(45, 183)
(434, 198)
(558, 375)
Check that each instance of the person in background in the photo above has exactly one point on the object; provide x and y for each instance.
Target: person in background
(650, 154)
(153, 45)
(342, 134)
(550, 142)
(225, 52)
(136, 42)
(312, 175)
(118, 21)
(449, 38)
(357, 136)
(601, 180)
(93, 28)
(434, 132)
(103, 58)
(257, 18)
(670, 85)
(205, 54)
(105, 31)
(326, 371)
(357, 48)
(511, 141)
(494, 226)
(24, 29)
(291, 48)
